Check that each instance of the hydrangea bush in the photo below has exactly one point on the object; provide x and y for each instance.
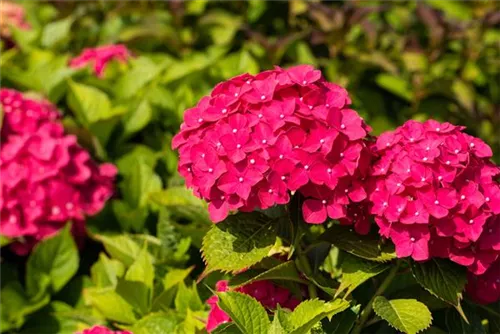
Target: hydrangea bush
(276, 153)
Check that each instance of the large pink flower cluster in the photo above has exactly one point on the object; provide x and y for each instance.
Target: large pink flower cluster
(100, 56)
(434, 194)
(102, 330)
(265, 292)
(47, 178)
(257, 138)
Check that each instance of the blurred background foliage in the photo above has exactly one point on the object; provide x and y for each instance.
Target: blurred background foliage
(398, 59)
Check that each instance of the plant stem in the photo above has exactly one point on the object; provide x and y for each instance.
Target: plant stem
(365, 314)
(304, 263)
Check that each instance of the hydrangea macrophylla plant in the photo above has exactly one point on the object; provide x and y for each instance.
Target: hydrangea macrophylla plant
(102, 330)
(100, 56)
(434, 194)
(256, 139)
(47, 178)
(485, 288)
(265, 292)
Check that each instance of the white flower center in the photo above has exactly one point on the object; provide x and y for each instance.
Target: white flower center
(263, 97)
(200, 120)
(342, 126)
(224, 110)
(240, 179)
(252, 161)
(56, 210)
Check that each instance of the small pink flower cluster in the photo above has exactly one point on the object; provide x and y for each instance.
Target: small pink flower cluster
(100, 56)
(257, 138)
(434, 194)
(102, 330)
(14, 15)
(265, 292)
(47, 178)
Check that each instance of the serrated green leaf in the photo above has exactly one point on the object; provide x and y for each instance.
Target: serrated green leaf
(444, 279)
(311, 311)
(227, 328)
(246, 312)
(368, 247)
(284, 271)
(111, 305)
(55, 258)
(187, 298)
(238, 242)
(406, 315)
(356, 271)
(120, 247)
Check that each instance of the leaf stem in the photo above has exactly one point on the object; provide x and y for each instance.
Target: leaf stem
(304, 263)
(365, 314)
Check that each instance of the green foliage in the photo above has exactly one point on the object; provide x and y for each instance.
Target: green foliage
(406, 315)
(309, 312)
(239, 242)
(246, 312)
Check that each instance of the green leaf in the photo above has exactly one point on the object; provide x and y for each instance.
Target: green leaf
(187, 298)
(89, 104)
(55, 258)
(137, 118)
(140, 183)
(143, 71)
(111, 305)
(156, 323)
(130, 219)
(120, 247)
(343, 322)
(136, 294)
(456, 324)
(284, 271)
(395, 85)
(175, 276)
(4, 241)
(443, 278)
(246, 312)
(456, 10)
(171, 280)
(56, 32)
(311, 311)
(239, 242)
(142, 269)
(105, 271)
(227, 328)
(406, 315)
(181, 202)
(356, 271)
(368, 247)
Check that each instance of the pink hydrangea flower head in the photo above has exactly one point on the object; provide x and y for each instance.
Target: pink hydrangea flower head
(47, 178)
(100, 56)
(265, 292)
(256, 139)
(12, 14)
(435, 193)
(102, 330)
(485, 288)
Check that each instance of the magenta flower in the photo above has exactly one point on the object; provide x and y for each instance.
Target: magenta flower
(102, 330)
(100, 56)
(265, 292)
(434, 192)
(485, 288)
(256, 139)
(47, 178)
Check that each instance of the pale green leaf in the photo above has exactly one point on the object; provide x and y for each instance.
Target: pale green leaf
(395, 85)
(120, 247)
(356, 271)
(137, 118)
(239, 242)
(187, 298)
(56, 32)
(156, 323)
(407, 315)
(55, 258)
(246, 312)
(140, 183)
(90, 104)
(111, 305)
(142, 269)
(443, 278)
(311, 311)
(106, 271)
